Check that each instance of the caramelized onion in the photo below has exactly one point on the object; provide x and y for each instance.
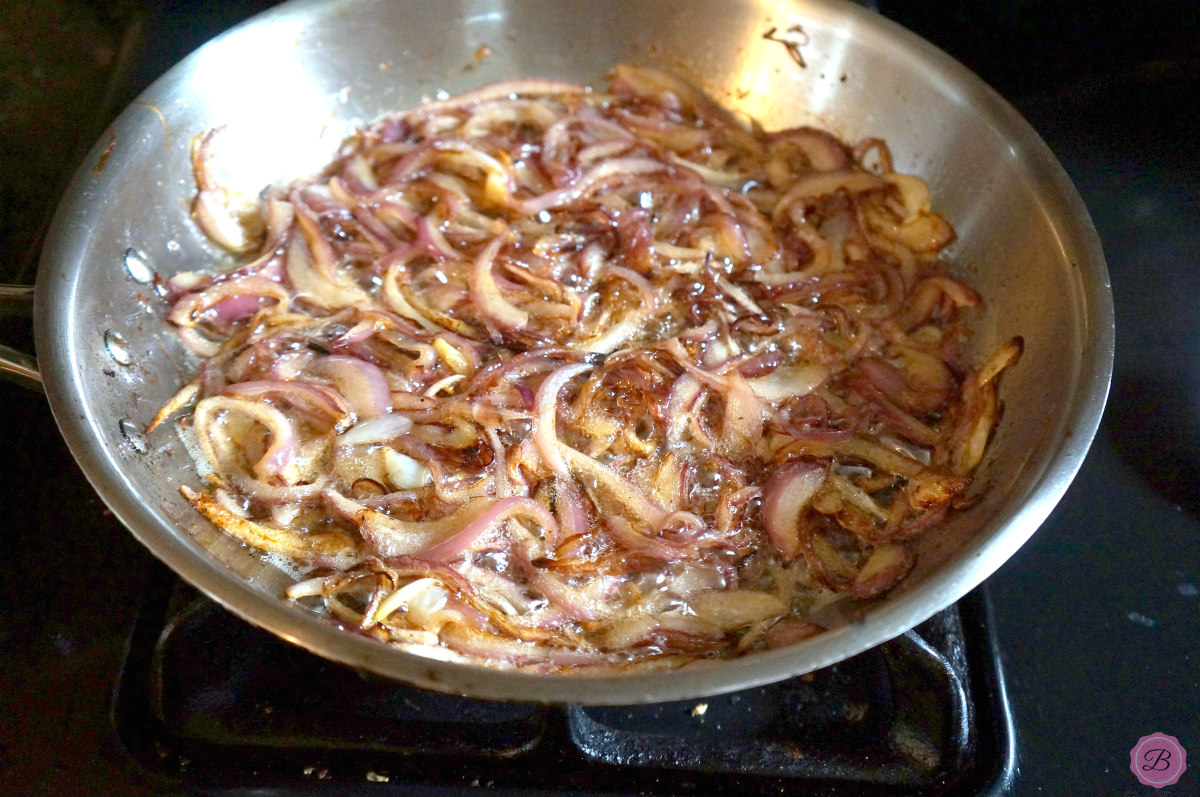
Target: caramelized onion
(551, 378)
(379, 429)
(785, 497)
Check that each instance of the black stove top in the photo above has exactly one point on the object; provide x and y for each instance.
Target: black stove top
(1090, 630)
(208, 703)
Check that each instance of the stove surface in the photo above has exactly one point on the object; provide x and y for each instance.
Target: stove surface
(208, 703)
(1096, 619)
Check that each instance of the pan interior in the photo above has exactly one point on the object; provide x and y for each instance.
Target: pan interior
(289, 85)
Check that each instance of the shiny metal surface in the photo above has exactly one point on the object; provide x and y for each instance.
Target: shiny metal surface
(288, 85)
(17, 366)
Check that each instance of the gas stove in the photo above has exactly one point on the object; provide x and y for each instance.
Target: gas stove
(116, 678)
(208, 703)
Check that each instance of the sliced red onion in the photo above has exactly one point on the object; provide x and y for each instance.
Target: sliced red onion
(821, 184)
(213, 206)
(823, 150)
(962, 295)
(498, 183)
(279, 455)
(324, 549)
(213, 213)
(361, 331)
(789, 631)
(442, 384)
(556, 141)
(790, 380)
(506, 237)
(882, 570)
(499, 512)
(668, 90)
(382, 235)
(615, 336)
(855, 495)
(487, 116)
(625, 494)
(732, 609)
(379, 429)
(617, 168)
(182, 398)
(572, 517)
(730, 503)
(430, 238)
(268, 264)
(503, 651)
(571, 600)
(438, 540)
(488, 301)
(545, 419)
(324, 259)
(198, 343)
(314, 400)
(390, 537)
(742, 424)
(267, 494)
(237, 308)
(250, 291)
(363, 384)
(318, 289)
(500, 475)
(785, 497)
(680, 407)
(645, 290)
(900, 420)
(629, 538)
(400, 215)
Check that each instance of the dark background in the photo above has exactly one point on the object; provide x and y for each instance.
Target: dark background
(1097, 616)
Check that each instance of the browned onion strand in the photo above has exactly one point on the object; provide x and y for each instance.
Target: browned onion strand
(555, 378)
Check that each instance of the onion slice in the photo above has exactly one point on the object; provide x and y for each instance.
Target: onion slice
(362, 383)
(379, 429)
(315, 288)
(392, 537)
(324, 549)
(485, 291)
(788, 381)
(495, 515)
(545, 419)
(315, 401)
(623, 493)
(785, 497)
(442, 539)
(277, 460)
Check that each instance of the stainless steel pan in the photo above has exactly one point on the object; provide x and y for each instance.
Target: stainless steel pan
(289, 84)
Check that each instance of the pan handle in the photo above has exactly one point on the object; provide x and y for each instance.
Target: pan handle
(17, 366)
